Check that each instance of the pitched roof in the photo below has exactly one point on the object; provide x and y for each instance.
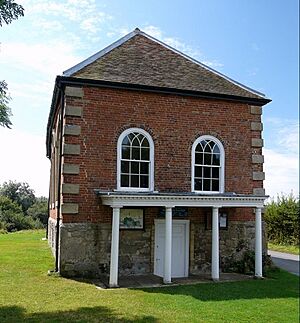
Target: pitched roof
(138, 58)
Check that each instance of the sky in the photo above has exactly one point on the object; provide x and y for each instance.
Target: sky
(255, 42)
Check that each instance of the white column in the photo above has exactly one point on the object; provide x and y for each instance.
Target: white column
(215, 244)
(114, 253)
(258, 243)
(168, 246)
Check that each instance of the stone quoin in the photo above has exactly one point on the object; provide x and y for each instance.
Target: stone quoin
(156, 165)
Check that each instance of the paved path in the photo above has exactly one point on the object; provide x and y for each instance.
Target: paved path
(285, 261)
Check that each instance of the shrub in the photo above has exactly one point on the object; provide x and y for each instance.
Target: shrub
(12, 217)
(282, 220)
(39, 210)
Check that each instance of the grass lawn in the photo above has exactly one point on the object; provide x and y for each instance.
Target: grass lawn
(27, 294)
(284, 248)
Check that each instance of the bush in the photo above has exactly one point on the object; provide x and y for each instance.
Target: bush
(12, 217)
(282, 220)
(39, 210)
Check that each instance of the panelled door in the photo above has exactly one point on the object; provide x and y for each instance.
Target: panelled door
(180, 248)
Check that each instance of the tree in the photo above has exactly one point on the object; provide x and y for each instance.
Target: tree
(5, 112)
(9, 11)
(12, 217)
(20, 193)
(282, 218)
(39, 210)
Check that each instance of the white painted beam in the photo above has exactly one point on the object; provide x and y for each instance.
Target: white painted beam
(114, 254)
(258, 243)
(215, 275)
(168, 247)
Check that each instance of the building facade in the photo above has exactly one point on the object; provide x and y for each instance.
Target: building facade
(156, 165)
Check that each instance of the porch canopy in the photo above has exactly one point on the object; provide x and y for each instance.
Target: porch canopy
(119, 199)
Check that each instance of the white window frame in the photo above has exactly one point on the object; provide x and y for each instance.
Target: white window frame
(151, 166)
(222, 164)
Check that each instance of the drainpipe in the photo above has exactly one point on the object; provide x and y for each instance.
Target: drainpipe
(59, 178)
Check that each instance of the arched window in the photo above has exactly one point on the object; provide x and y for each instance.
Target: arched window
(208, 165)
(135, 166)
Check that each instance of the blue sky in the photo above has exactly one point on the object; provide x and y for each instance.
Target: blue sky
(255, 42)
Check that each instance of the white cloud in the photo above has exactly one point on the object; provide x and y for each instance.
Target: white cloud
(282, 157)
(48, 59)
(44, 24)
(23, 158)
(282, 173)
(85, 13)
(180, 46)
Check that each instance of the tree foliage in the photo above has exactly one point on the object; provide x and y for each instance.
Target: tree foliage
(9, 11)
(282, 220)
(20, 193)
(5, 111)
(20, 209)
(12, 217)
(39, 210)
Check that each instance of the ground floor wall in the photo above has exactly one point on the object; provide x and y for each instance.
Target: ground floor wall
(84, 248)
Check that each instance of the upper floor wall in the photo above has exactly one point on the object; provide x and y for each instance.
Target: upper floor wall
(96, 117)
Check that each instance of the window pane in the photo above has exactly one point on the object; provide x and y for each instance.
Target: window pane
(135, 153)
(126, 141)
(207, 159)
(215, 172)
(206, 172)
(144, 181)
(125, 152)
(206, 185)
(145, 142)
(198, 184)
(199, 158)
(145, 154)
(199, 148)
(207, 148)
(216, 149)
(203, 144)
(131, 136)
(124, 180)
(135, 168)
(216, 159)
(125, 167)
(135, 142)
(198, 171)
(144, 168)
(134, 181)
(215, 185)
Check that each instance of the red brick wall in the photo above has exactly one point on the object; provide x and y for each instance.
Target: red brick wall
(174, 122)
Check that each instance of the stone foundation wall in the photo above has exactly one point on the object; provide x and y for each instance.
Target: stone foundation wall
(85, 247)
(52, 234)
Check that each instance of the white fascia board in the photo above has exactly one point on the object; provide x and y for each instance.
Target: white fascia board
(184, 201)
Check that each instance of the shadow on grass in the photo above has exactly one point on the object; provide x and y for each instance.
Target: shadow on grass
(15, 314)
(280, 284)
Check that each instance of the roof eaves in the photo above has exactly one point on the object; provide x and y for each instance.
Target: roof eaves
(205, 66)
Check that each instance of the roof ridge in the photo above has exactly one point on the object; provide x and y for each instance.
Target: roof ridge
(137, 31)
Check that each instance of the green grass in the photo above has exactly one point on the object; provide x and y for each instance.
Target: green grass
(284, 248)
(28, 294)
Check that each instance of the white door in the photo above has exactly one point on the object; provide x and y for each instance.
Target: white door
(180, 248)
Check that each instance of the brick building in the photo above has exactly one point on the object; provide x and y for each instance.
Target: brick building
(156, 165)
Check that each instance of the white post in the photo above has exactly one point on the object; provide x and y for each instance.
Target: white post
(215, 244)
(258, 243)
(168, 246)
(114, 253)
